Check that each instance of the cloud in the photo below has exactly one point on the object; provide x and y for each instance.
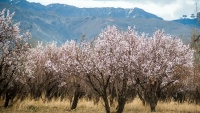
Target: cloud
(160, 2)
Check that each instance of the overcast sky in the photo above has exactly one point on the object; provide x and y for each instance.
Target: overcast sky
(167, 9)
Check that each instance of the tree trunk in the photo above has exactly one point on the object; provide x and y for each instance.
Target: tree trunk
(121, 104)
(107, 107)
(113, 95)
(153, 100)
(153, 96)
(7, 100)
(141, 98)
(153, 103)
(122, 97)
(76, 97)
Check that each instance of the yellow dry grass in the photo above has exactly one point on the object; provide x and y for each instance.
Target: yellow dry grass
(84, 106)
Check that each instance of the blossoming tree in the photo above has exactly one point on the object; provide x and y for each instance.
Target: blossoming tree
(159, 58)
(56, 72)
(13, 56)
(107, 62)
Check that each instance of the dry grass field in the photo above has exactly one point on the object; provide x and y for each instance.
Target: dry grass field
(56, 106)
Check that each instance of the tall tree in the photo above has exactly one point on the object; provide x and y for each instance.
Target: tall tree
(14, 71)
(159, 58)
(106, 64)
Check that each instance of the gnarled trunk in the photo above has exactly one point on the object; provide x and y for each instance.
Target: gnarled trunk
(76, 97)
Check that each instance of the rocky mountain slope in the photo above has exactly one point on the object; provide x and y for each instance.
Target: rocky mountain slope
(61, 22)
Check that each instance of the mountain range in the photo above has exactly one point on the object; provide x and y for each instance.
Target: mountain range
(60, 22)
